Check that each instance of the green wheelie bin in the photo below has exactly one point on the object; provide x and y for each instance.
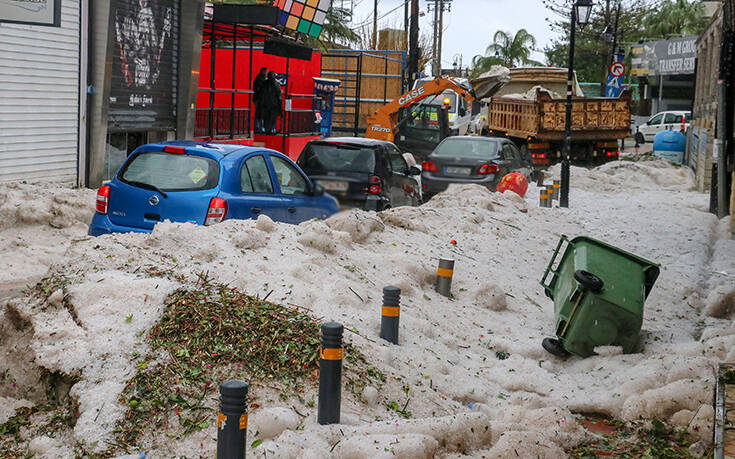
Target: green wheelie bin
(598, 292)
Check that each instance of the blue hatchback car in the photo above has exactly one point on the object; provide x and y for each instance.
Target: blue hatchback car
(206, 183)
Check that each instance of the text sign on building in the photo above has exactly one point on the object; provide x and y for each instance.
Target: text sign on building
(34, 12)
(665, 57)
(143, 80)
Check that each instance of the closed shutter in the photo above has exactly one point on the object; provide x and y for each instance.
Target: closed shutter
(144, 66)
(39, 98)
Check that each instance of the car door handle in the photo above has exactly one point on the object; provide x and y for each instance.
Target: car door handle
(292, 209)
(255, 210)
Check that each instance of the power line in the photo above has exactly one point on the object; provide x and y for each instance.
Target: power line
(383, 16)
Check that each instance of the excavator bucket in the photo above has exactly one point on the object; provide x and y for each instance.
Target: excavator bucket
(490, 82)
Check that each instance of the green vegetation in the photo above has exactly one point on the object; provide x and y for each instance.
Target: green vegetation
(212, 333)
(508, 50)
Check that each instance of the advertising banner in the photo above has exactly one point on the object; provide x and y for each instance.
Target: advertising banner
(143, 82)
(665, 57)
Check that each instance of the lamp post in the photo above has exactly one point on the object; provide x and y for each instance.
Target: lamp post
(580, 15)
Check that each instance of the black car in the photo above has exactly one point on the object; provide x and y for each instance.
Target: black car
(472, 159)
(365, 173)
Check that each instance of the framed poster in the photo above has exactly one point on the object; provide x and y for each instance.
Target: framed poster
(33, 12)
(144, 72)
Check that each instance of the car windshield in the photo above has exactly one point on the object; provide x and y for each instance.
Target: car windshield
(467, 148)
(329, 157)
(171, 172)
(423, 116)
(439, 99)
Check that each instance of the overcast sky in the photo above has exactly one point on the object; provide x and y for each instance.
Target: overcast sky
(469, 27)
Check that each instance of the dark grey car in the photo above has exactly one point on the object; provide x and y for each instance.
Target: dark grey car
(472, 159)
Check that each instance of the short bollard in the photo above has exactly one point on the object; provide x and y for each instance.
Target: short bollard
(232, 419)
(557, 188)
(543, 197)
(444, 276)
(330, 374)
(391, 312)
(550, 194)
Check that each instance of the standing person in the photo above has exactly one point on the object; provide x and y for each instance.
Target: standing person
(258, 100)
(273, 99)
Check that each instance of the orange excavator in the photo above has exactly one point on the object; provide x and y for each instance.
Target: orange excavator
(383, 124)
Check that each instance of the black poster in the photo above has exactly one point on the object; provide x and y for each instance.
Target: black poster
(143, 83)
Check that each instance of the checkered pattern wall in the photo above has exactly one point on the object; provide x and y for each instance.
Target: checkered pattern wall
(305, 16)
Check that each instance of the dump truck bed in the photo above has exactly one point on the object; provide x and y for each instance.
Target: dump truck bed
(543, 118)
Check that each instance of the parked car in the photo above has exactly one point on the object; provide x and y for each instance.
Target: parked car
(206, 183)
(472, 159)
(366, 173)
(662, 122)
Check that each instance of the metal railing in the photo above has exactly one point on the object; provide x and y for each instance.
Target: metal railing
(221, 122)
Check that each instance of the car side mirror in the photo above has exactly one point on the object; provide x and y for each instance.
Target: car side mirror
(317, 190)
(462, 111)
(413, 170)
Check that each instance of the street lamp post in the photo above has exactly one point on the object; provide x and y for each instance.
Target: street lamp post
(580, 15)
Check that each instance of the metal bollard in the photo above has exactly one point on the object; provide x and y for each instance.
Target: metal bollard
(330, 374)
(557, 187)
(543, 197)
(550, 194)
(232, 419)
(444, 276)
(391, 312)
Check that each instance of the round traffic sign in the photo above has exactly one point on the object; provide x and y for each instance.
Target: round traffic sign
(617, 69)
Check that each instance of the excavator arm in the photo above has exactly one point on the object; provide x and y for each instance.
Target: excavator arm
(382, 124)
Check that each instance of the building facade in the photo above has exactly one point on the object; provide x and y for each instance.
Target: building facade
(77, 96)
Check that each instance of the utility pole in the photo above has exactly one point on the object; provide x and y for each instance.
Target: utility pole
(405, 25)
(375, 24)
(413, 50)
(436, 35)
(439, 44)
(615, 36)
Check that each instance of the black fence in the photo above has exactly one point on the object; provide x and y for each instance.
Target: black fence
(220, 123)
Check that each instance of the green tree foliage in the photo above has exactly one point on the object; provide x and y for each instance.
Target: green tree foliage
(506, 49)
(674, 18)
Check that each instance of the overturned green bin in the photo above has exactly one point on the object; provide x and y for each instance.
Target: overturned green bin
(598, 292)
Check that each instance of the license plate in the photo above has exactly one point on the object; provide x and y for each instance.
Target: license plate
(458, 170)
(334, 186)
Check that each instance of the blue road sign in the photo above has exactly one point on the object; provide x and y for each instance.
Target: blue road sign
(615, 77)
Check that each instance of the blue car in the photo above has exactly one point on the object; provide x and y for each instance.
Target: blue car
(206, 183)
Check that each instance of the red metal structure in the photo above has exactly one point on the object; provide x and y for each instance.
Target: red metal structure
(224, 101)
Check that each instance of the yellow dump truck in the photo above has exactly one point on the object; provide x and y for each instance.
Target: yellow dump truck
(531, 110)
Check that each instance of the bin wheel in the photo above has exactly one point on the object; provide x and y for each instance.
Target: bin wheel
(588, 280)
(554, 347)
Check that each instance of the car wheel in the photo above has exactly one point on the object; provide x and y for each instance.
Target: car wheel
(639, 138)
(589, 280)
(554, 347)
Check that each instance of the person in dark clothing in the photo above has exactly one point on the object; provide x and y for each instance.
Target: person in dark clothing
(272, 101)
(258, 100)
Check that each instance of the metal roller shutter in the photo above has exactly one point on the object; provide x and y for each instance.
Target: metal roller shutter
(39, 98)
(144, 70)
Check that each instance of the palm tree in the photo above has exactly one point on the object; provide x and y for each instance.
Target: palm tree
(676, 18)
(506, 49)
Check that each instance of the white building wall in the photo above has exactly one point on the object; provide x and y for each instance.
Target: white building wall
(39, 99)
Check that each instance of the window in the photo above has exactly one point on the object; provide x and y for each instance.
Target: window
(397, 163)
(170, 172)
(458, 147)
(656, 119)
(291, 181)
(672, 118)
(254, 176)
(321, 158)
(508, 152)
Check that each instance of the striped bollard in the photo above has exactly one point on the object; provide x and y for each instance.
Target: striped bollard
(444, 276)
(330, 374)
(557, 187)
(550, 195)
(232, 419)
(391, 312)
(543, 197)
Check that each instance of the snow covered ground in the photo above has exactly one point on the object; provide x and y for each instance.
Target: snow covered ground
(464, 395)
